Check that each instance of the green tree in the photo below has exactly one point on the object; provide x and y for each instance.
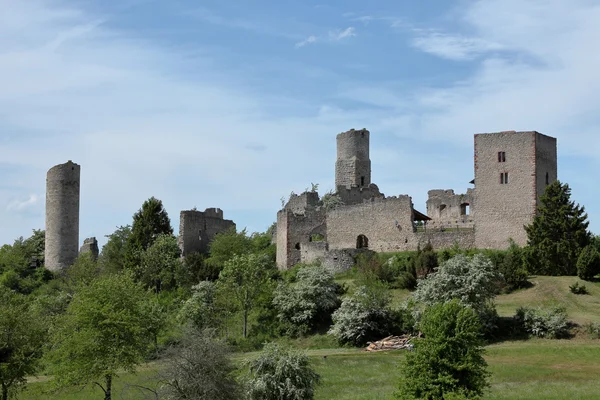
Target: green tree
(114, 252)
(148, 223)
(281, 374)
(588, 263)
(449, 360)
(245, 278)
(309, 301)
(201, 369)
(160, 263)
(557, 234)
(364, 315)
(103, 332)
(21, 264)
(200, 310)
(21, 339)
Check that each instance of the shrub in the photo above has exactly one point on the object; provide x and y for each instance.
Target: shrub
(200, 369)
(593, 330)
(448, 363)
(281, 374)
(513, 268)
(308, 302)
(588, 263)
(577, 289)
(550, 323)
(200, 310)
(364, 316)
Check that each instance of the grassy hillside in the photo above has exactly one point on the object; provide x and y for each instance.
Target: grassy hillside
(548, 291)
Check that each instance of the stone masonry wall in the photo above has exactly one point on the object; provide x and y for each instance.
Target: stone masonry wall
(546, 162)
(62, 215)
(503, 209)
(450, 210)
(294, 230)
(90, 245)
(197, 229)
(353, 165)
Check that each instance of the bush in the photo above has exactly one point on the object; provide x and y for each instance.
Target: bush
(588, 263)
(200, 369)
(364, 316)
(448, 363)
(577, 289)
(593, 330)
(281, 374)
(200, 310)
(304, 305)
(513, 268)
(541, 323)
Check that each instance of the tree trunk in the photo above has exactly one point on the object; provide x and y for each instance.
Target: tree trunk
(245, 323)
(107, 393)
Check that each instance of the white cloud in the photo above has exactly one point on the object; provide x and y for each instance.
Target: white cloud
(21, 205)
(309, 40)
(339, 35)
(453, 47)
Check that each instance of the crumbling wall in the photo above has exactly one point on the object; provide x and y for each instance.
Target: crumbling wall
(90, 245)
(464, 238)
(197, 229)
(386, 224)
(62, 215)
(294, 230)
(313, 251)
(341, 260)
(448, 210)
(356, 195)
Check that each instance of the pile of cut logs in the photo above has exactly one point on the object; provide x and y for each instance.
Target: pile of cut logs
(391, 343)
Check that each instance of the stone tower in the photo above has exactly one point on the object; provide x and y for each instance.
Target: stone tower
(198, 228)
(512, 170)
(353, 166)
(90, 245)
(62, 215)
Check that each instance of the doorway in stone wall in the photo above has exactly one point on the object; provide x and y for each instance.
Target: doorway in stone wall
(362, 242)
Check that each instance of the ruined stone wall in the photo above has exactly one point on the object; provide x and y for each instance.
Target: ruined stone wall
(62, 215)
(464, 238)
(197, 229)
(90, 245)
(386, 223)
(313, 251)
(341, 260)
(449, 210)
(301, 203)
(355, 194)
(353, 166)
(503, 209)
(293, 230)
(546, 162)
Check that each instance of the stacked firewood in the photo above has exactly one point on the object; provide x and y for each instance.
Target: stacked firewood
(391, 343)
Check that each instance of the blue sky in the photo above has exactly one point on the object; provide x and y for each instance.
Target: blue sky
(236, 104)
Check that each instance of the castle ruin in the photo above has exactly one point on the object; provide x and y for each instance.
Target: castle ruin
(512, 170)
(198, 228)
(62, 216)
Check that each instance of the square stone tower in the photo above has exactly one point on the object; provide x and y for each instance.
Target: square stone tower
(512, 170)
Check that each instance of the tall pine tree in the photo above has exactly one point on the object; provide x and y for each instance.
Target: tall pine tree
(557, 234)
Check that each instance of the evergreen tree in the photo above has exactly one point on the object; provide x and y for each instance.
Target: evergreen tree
(558, 233)
(148, 222)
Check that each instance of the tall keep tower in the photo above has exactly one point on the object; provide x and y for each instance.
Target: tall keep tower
(62, 215)
(353, 166)
(512, 170)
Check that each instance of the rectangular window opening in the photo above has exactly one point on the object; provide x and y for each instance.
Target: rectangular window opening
(504, 178)
(501, 156)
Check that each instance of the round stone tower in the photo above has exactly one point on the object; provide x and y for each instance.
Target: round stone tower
(353, 165)
(62, 215)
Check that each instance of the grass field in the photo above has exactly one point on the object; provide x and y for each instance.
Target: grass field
(531, 369)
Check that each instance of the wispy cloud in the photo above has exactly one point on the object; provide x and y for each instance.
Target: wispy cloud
(23, 204)
(453, 47)
(309, 40)
(342, 34)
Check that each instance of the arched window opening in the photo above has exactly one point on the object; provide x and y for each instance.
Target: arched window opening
(362, 242)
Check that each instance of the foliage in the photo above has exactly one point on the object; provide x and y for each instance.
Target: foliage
(114, 252)
(538, 322)
(199, 369)
(448, 363)
(331, 200)
(195, 269)
(593, 330)
(578, 289)
(426, 262)
(245, 278)
(228, 244)
(159, 264)
(21, 264)
(200, 310)
(365, 315)
(281, 374)
(588, 263)
(104, 331)
(512, 268)
(21, 339)
(148, 223)
(308, 301)
(558, 233)
(83, 271)
(473, 281)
